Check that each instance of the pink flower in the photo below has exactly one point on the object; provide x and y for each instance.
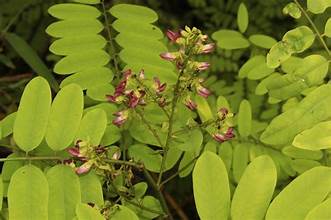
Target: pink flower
(168, 56)
(229, 133)
(127, 74)
(208, 48)
(202, 91)
(84, 168)
(219, 137)
(158, 86)
(222, 112)
(202, 66)
(121, 117)
(133, 99)
(74, 151)
(173, 36)
(190, 104)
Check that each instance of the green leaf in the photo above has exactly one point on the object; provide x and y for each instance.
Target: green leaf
(1, 192)
(313, 109)
(65, 117)
(255, 68)
(69, 28)
(211, 187)
(30, 56)
(327, 30)
(93, 126)
(69, 11)
(134, 12)
(315, 138)
(7, 125)
(77, 44)
(203, 108)
(148, 202)
(240, 160)
(32, 114)
(99, 92)
(150, 158)
(321, 211)
(91, 2)
(258, 182)
(91, 189)
(8, 169)
(299, 153)
(293, 10)
(140, 189)
(64, 192)
(302, 165)
(245, 118)
(189, 141)
(312, 73)
(278, 53)
(225, 151)
(90, 78)
(28, 194)
(229, 39)
(186, 165)
(262, 40)
(123, 213)
(318, 6)
(301, 195)
(81, 61)
(111, 135)
(242, 18)
(86, 212)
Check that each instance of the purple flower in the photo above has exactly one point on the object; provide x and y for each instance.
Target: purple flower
(208, 48)
(202, 66)
(219, 137)
(84, 168)
(121, 117)
(202, 91)
(158, 86)
(229, 133)
(168, 56)
(190, 104)
(173, 36)
(133, 99)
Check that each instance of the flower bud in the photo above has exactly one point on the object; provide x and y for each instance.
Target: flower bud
(121, 117)
(190, 104)
(219, 137)
(202, 91)
(168, 56)
(84, 168)
(158, 86)
(173, 36)
(208, 48)
(202, 66)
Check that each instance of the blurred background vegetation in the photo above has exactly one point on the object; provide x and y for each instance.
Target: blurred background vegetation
(29, 19)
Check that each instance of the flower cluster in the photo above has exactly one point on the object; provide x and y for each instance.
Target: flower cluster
(89, 156)
(191, 42)
(131, 92)
(222, 129)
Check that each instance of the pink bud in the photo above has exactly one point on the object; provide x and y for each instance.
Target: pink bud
(74, 151)
(208, 48)
(168, 56)
(133, 99)
(190, 104)
(158, 86)
(202, 91)
(173, 36)
(229, 133)
(219, 137)
(203, 66)
(84, 168)
(121, 118)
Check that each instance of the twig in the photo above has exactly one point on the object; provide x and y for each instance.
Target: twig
(314, 27)
(176, 206)
(15, 77)
(107, 25)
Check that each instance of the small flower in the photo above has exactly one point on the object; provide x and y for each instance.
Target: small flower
(158, 86)
(202, 66)
(141, 74)
(229, 133)
(190, 104)
(133, 99)
(173, 36)
(74, 151)
(202, 91)
(208, 48)
(168, 56)
(219, 137)
(222, 112)
(84, 168)
(121, 117)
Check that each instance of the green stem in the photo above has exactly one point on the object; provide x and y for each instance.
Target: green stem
(149, 127)
(155, 187)
(107, 26)
(314, 27)
(123, 162)
(29, 158)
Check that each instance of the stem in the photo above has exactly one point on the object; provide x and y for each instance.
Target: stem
(314, 27)
(150, 128)
(107, 25)
(153, 97)
(123, 162)
(202, 125)
(155, 187)
(30, 158)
